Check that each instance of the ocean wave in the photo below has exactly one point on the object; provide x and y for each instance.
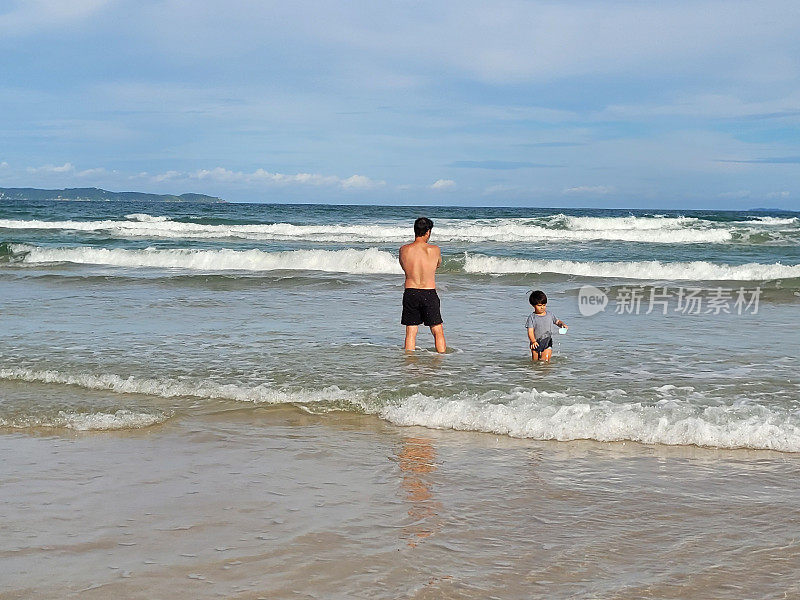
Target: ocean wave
(371, 261)
(88, 421)
(374, 261)
(676, 417)
(171, 388)
(145, 218)
(555, 416)
(629, 223)
(694, 271)
(771, 221)
(661, 230)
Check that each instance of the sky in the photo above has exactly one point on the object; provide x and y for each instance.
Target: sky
(616, 104)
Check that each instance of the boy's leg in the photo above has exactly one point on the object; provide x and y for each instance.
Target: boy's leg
(411, 337)
(534, 355)
(546, 354)
(438, 337)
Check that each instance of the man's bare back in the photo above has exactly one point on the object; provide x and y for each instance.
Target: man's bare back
(419, 261)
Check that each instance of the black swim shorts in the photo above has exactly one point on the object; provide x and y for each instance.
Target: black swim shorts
(421, 306)
(544, 344)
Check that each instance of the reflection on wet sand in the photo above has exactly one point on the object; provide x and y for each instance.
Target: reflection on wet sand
(417, 460)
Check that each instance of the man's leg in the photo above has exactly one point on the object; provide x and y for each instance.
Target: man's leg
(411, 337)
(438, 337)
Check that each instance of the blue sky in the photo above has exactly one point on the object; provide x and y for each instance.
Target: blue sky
(609, 104)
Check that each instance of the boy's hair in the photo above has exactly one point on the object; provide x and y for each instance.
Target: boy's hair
(537, 297)
(422, 226)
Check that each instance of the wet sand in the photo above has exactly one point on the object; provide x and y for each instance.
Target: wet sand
(278, 503)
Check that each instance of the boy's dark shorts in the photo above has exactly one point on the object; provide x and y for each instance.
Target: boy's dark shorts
(421, 306)
(544, 344)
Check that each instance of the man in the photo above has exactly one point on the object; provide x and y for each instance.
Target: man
(420, 260)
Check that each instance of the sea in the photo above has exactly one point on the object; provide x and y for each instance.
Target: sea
(129, 331)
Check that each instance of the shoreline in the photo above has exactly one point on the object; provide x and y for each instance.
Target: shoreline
(274, 502)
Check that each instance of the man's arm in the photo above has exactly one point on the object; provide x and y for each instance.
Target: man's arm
(439, 254)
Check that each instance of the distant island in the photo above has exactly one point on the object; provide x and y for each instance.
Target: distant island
(98, 195)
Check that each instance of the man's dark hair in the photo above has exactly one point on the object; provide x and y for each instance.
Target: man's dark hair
(422, 226)
(537, 297)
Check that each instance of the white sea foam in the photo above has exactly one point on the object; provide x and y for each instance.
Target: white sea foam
(145, 218)
(369, 261)
(629, 223)
(694, 271)
(171, 388)
(771, 221)
(561, 227)
(677, 417)
(89, 421)
(555, 416)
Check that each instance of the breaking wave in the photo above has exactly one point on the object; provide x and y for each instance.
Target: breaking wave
(88, 421)
(695, 271)
(556, 416)
(771, 221)
(675, 418)
(663, 230)
(374, 261)
(371, 261)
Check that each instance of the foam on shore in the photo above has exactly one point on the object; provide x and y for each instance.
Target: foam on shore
(675, 417)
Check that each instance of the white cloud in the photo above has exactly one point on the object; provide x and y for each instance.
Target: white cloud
(52, 169)
(360, 181)
(588, 189)
(737, 195)
(91, 172)
(783, 194)
(3, 165)
(443, 184)
(514, 40)
(167, 176)
(223, 175)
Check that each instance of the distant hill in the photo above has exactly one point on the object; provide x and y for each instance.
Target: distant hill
(96, 194)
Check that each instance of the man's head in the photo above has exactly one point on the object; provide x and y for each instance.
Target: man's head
(422, 226)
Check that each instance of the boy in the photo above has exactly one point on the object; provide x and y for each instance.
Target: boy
(540, 327)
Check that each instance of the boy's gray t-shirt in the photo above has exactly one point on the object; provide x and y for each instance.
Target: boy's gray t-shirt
(543, 325)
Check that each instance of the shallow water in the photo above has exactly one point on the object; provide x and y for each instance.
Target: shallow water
(299, 304)
(218, 396)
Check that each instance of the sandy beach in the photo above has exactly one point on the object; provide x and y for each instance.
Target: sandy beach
(277, 503)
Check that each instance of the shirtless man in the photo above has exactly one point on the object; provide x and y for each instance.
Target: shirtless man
(420, 260)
